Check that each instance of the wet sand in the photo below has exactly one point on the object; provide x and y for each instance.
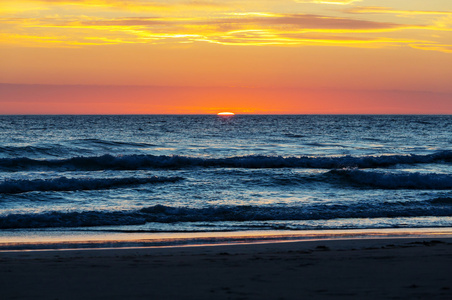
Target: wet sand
(403, 268)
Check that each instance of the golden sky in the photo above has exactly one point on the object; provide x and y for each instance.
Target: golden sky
(266, 56)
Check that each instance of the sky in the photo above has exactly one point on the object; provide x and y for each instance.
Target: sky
(206, 56)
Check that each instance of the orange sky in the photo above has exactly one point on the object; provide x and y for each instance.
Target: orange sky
(267, 56)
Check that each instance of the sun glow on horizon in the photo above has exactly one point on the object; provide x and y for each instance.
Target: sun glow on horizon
(226, 113)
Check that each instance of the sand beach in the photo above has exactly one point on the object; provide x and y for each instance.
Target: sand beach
(374, 268)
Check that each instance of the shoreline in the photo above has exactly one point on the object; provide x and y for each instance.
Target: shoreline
(74, 240)
(372, 268)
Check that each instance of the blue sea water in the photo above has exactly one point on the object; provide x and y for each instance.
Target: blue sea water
(206, 173)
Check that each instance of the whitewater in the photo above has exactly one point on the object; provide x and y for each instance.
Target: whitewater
(207, 173)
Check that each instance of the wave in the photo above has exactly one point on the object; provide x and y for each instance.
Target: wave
(136, 162)
(101, 142)
(30, 150)
(168, 214)
(386, 180)
(442, 200)
(38, 150)
(75, 184)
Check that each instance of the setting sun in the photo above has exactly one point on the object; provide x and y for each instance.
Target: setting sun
(226, 113)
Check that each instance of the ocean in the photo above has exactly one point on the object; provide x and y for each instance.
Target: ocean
(200, 174)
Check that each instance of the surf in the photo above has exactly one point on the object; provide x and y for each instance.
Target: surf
(148, 161)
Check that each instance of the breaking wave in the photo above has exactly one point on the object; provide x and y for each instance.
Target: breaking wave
(167, 214)
(387, 180)
(137, 162)
(75, 184)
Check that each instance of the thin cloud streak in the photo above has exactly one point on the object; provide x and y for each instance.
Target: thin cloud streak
(9, 6)
(334, 2)
(388, 10)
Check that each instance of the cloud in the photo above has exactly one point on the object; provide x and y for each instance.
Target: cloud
(433, 47)
(444, 22)
(9, 6)
(232, 22)
(440, 20)
(246, 28)
(334, 2)
(239, 28)
(268, 37)
(388, 10)
(229, 29)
